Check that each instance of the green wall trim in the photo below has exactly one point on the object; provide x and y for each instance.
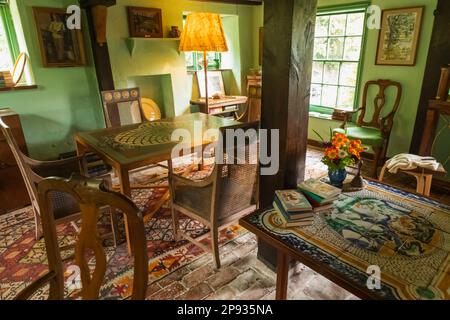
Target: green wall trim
(348, 7)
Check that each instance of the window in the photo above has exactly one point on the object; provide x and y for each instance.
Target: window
(9, 48)
(194, 60)
(336, 60)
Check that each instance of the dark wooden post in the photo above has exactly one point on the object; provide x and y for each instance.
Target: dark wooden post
(100, 51)
(438, 56)
(287, 64)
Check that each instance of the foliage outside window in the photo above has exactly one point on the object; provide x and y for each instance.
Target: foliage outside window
(194, 60)
(9, 49)
(336, 60)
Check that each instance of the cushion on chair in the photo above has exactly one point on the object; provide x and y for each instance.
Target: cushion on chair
(368, 136)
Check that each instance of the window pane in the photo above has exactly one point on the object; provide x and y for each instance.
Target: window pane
(335, 48)
(346, 97)
(317, 72)
(355, 24)
(352, 48)
(329, 94)
(5, 55)
(316, 92)
(348, 73)
(189, 59)
(321, 26)
(337, 24)
(331, 73)
(320, 48)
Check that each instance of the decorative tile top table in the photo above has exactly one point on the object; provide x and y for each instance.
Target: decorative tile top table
(406, 236)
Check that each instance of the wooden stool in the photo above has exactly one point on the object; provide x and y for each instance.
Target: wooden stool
(423, 177)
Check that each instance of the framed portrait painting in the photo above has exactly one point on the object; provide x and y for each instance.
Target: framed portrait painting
(145, 22)
(60, 46)
(399, 36)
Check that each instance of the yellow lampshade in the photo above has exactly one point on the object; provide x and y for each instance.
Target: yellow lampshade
(203, 32)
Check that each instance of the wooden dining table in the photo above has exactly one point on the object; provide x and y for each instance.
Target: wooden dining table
(138, 145)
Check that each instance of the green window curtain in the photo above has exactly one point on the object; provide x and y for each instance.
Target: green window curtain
(5, 16)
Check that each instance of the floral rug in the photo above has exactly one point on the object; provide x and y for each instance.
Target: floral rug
(23, 259)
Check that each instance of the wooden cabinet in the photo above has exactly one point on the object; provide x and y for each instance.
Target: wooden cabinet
(13, 194)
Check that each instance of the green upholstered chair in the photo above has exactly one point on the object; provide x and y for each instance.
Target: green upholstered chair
(376, 132)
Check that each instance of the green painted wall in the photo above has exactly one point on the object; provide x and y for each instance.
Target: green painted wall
(66, 101)
(409, 77)
(152, 57)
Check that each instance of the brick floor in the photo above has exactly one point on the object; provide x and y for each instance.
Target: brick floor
(243, 276)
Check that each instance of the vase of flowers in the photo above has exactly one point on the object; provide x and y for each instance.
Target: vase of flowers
(339, 153)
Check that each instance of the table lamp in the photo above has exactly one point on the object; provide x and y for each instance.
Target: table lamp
(203, 32)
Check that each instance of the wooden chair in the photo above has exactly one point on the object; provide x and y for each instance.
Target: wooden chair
(376, 132)
(122, 107)
(91, 195)
(252, 110)
(34, 171)
(230, 192)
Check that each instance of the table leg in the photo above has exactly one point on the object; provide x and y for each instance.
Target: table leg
(125, 189)
(282, 276)
(81, 150)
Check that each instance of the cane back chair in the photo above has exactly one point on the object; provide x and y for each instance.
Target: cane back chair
(376, 132)
(91, 195)
(227, 194)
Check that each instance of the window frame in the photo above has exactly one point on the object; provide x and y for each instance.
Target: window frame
(344, 9)
(6, 18)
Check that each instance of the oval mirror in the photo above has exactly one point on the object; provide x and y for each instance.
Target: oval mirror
(18, 68)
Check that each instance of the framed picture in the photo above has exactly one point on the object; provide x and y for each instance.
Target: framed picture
(60, 46)
(215, 83)
(145, 22)
(399, 36)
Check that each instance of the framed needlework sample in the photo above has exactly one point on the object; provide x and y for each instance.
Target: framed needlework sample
(399, 36)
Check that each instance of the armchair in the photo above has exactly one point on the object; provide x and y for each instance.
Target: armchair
(376, 132)
(227, 194)
(65, 208)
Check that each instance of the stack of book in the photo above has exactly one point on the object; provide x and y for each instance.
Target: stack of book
(95, 165)
(293, 208)
(6, 79)
(319, 194)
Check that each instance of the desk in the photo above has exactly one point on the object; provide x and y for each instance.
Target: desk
(222, 106)
(406, 236)
(138, 145)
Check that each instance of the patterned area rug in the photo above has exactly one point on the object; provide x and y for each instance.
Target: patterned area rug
(23, 259)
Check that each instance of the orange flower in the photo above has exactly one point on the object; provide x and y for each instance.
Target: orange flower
(332, 152)
(354, 151)
(339, 140)
(355, 143)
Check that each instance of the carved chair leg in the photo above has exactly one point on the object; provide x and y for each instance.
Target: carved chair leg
(376, 161)
(37, 224)
(176, 224)
(114, 225)
(215, 245)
